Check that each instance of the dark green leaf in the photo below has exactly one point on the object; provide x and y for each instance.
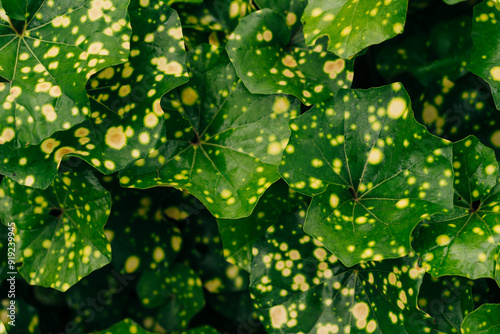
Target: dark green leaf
(484, 320)
(60, 229)
(374, 170)
(125, 326)
(226, 148)
(270, 60)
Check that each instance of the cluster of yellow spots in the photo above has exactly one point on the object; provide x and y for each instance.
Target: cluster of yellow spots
(334, 67)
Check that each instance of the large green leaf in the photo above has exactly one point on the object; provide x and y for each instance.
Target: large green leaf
(224, 143)
(484, 320)
(238, 235)
(352, 25)
(447, 300)
(302, 288)
(466, 241)
(178, 292)
(60, 229)
(485, 57)
(106, 140)
(373, 170)
(48, 63)
(269, 60)
(125, 326)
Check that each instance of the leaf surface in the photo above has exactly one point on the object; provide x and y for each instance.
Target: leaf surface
(224, 144)
(373, 170)
(353, 25)
(484, 320)
(126, 326)
(60, 228)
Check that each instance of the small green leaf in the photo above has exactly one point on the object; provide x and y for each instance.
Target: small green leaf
(269, 60)
(485, 57)
(447, 300)
(126, 326)
(300, 287)
(373, 170)
(48, 63)
(178, 292)
(224, 143)
(465, 241)
(352, 25)
(484, 320)
(60, 229)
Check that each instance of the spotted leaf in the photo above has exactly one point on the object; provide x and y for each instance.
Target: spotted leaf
(238, 235)
(111, 138)
(466, 241)
(178, 292)
(226, 148)
(484, 320)
(485, 55)
(447, 300)
(373, 170)
(126, 326)
(300, 287)
(270, 60)
(60, 229)
(353, 25)
(292, 10)
(49, 60)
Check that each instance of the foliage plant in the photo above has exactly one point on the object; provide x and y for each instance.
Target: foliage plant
(250, 166)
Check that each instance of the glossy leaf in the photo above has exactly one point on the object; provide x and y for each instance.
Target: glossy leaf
(178, 292)
(466, 241)
(353, 25)
(60, 228)
(125, 326)
(270, 60)
(300, 287)
(48, 63)
(484, 320)
(215, 127)
(106, 140)
(373, 170)
(485, 57)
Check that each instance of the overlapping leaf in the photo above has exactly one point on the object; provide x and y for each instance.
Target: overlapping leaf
(302, 288)
(106, 140)
(238, 235)
(49, 61)
(60, 228)
(352, 25)
(292, 10)
(374, 170)
(447, 300)
(226, 148)
(484, 320)
(178, 292)
(269, 59)
(485, 57)
(466, 241)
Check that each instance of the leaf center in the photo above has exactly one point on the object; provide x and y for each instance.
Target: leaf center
(56, 212)
(474, 207)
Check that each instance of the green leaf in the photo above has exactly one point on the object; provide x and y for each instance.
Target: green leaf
(353, 25)
(292, 10)
(178, 292)
(300, 287)
(48, 63)
(465, 241)
(238, 235)
(107, 140)
(215, 128)
(201, 330)
(270, 60)
(17, 9)
(485, 57)
(126, 326)
(373, 170)
(60, 229)
(484, 320)
(447, 300)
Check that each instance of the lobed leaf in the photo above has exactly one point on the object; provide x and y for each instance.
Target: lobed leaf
(60, 229)
(224, 143)
(465, 241)
(352, 25)
(270, 60)
(49, 61)
(373, 170)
